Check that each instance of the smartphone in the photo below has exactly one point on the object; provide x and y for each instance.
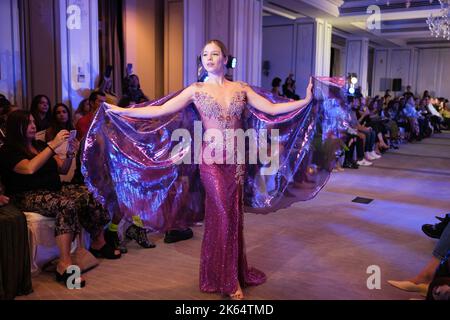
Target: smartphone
(108, 71)
(73, 134)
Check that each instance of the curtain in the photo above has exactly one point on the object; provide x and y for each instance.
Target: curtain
(111, 38)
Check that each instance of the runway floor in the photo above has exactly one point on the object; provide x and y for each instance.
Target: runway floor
(319, 249)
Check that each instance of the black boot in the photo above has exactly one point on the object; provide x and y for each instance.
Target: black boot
(140, 235)
(112, 238)
(435, 230)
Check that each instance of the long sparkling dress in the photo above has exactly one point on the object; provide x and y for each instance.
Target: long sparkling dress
(223, 260)
(130, 165)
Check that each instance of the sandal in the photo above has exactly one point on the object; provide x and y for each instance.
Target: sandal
(106, 252)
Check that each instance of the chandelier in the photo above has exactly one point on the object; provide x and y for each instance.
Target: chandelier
(440, 25)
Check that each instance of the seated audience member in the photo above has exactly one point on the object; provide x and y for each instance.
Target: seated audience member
(95, 101)
(4, 200)
(61, 120)
(5, 109)
(424, 118)
(15, 264)
(445, 112)
(426, 94)
(410, 113)
(132, 93)
(106, 87)
(5, 106)
(276, 83)
(387, 98)
(364, 140)
(390, 125)
(40, 109)
(407, 94)
(421, 281)
(369, 119)
(83, 109)
(435, 117)
(30, 170)
(289, 88)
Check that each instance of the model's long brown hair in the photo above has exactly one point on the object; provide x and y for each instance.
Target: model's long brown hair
(220, 44)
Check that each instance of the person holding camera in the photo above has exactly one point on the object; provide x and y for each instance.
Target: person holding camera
(30, 169)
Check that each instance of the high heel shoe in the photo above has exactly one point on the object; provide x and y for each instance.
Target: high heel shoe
(65, 276)
(421, 288)
(106, 252)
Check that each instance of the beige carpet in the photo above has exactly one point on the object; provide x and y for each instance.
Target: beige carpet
(319, 249)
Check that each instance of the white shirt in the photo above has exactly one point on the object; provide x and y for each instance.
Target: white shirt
(433, 111)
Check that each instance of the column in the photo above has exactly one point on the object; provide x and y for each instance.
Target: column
(237, 23)
(60, 38)
(357, 61)
(11, 84)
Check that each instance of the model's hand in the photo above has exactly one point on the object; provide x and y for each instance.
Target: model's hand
(116, 110)
(309, 90)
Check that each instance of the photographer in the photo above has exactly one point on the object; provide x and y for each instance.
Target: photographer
(31, 169)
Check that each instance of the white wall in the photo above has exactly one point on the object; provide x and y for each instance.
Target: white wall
(393, 64)
(301, 47)
(357, 61)
(79, 52)
(323, 48)
(237, 23)
(423, 69)
(246, 45)
(433, 72)
(10, 63)
(278, 48)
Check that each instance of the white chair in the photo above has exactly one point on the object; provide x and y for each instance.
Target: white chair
(41, 237)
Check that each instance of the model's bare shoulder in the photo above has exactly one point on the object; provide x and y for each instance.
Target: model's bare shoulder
(242, 84)
(198, 85)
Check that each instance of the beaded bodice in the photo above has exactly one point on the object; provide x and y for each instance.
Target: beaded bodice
(225, 118)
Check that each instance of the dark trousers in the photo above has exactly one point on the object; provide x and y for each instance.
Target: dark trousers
(359, 150)
(15, 265)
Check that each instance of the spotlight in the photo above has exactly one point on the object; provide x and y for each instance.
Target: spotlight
(354, 80)
(351, 90)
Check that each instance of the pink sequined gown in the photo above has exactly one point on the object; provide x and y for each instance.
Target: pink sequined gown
(223, 260)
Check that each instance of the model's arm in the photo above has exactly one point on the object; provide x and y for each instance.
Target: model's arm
(171, 106)
(264, 105)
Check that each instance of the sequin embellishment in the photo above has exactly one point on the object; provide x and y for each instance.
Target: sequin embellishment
(211, 109)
